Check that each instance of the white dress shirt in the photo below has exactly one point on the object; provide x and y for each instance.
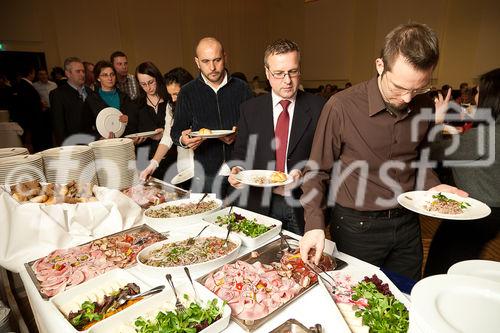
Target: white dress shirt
(44, 90)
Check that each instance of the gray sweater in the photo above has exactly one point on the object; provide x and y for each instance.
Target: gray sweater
(481, 182)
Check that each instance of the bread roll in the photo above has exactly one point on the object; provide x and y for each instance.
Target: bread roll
(205, 131)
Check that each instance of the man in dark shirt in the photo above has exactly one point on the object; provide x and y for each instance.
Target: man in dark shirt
(70, 115)
(210, 101)
(365, 145)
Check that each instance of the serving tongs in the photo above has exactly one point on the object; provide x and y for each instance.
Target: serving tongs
(199, 202)
(317, 270)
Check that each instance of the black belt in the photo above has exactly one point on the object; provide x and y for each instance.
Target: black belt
(388, 213)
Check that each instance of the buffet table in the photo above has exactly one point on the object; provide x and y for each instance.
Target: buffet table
(313, 307)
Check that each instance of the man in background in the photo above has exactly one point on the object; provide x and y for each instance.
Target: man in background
(124, 81)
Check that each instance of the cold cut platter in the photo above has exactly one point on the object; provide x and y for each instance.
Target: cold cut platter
(259, 284)
(64, 268)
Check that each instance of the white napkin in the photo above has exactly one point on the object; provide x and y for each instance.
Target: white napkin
(30, 231)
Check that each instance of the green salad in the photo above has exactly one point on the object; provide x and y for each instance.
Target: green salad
(239, 223)
(192, 320)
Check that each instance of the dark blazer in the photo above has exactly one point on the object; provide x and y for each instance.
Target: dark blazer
(127, 107)
(28, 105)
(70, 114)
(256, 119)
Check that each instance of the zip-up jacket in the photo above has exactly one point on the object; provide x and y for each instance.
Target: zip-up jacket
(198, 106)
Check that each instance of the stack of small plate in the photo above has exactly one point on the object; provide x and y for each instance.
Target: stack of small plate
(115, 162)
(14, 151)
(17, 169)
(67, 163)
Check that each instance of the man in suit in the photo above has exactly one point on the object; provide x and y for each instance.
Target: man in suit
(283, 124)
(70, 114)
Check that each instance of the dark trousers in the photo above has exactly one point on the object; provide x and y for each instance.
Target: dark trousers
(280, 210)
(456, 241)
(390, 239)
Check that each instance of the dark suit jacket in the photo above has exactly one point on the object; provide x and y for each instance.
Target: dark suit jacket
(256, 118)
(70, 114)
(28, 105)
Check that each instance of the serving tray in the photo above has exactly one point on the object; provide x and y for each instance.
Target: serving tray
(141, 228)
(271, 252)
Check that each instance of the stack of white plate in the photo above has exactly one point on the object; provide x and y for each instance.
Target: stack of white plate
(115, 162)
(17, 169)
(14, 151)
(67, 163)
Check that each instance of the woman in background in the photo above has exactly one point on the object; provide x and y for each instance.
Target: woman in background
(464, 240)
(152, 101)
(106, 94)
(174, 79)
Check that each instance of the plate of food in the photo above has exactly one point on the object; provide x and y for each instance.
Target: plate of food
(253, 229)
(367, 299)
(179, 213)
(65, 268)
(263, 178)
(108, 120)
(204, 313)
(142, 134)
(154, 193)
(91, 302)
(210, 134)
(184, 249)
(444, 205)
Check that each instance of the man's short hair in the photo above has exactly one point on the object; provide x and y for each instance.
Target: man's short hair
(115, 55)
(68, 61)
(280, 46)
(415, 42)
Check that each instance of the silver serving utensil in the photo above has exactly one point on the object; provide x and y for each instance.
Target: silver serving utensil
(178, 305)
(127, 298)
(192, 284)
(199, 202)
(229, 227)
(191, 240)
(318, 274)
(284, 240)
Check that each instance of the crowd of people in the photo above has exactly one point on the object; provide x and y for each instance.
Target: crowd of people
(350, 152)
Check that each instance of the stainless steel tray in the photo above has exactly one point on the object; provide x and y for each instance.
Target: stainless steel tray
(144, 227)
(294, 326)
(268, 253)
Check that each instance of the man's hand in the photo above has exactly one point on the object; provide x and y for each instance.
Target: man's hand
(449, 189)
(229, 139)
(111, 135)
(191, 143)
(158, 135)
(441, 105)
(138, 140)
(232, 179)
(313, 239)
(123, 119)
(146, 173)
(296, 174)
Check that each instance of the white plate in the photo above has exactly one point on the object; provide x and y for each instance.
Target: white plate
(485, 269)
(141, 134)
(215, 134)
(248, 177)
(177, 272)
(71, 299)
(165, 301)
(455, 303)
(416, 200)
(182, 176)
(162, 224)
(4, 152)
(108, 121)
(249, 242)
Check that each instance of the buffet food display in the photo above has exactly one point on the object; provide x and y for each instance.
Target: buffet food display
(154, 192)
(64, 268)
(183, 209)
(49, 193)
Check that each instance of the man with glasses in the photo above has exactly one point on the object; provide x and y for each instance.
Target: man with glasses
(362, 158)
(283, 125)
(210, 101)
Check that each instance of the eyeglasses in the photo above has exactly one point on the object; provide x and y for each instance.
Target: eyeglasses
(403, 91)
(107, 74)
(147, 84)
(281, 75)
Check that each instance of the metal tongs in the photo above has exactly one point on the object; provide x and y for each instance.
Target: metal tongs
(318, 270)
(203, 197)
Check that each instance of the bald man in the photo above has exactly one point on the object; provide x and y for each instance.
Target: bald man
(210, 101)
